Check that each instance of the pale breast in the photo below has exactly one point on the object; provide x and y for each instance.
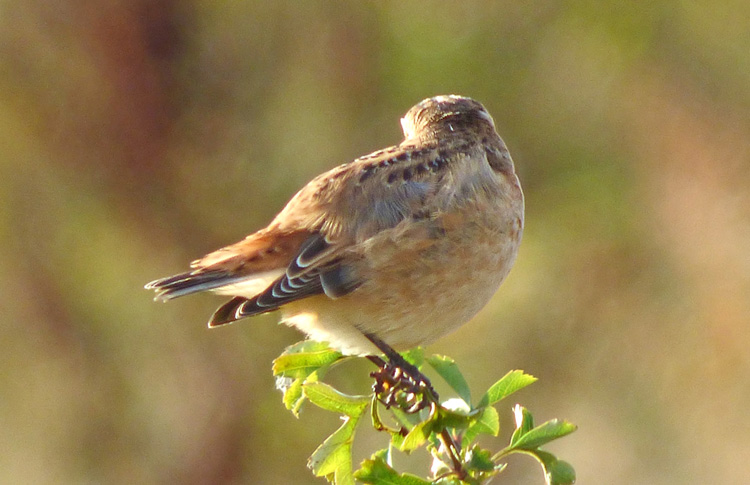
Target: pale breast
(425, 278)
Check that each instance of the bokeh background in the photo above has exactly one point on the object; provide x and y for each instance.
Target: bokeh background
(138, 135)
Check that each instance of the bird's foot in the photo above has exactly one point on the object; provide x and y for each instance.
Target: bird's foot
(404, 386)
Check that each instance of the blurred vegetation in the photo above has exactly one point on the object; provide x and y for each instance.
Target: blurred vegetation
(138, 135)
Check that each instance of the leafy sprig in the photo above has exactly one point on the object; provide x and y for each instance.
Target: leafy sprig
(447, 429)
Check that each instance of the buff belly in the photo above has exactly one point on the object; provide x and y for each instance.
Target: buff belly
(412, 296)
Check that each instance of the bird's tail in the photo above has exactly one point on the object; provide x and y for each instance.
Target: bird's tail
(228, 312)
(191, 282)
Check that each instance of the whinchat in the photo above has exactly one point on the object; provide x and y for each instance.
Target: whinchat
(401, 246)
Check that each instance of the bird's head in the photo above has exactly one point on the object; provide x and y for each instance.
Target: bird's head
(445, 114)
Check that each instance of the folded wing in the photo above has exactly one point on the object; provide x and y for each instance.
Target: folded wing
(316, 269)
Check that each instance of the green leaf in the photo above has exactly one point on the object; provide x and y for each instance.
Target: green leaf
(543, 434)
(397, 440)
(418, 435)
(448, 370)
(488, 422)
(328, 398)
(306, 346)
(414, 356)
(333, 458)
(304, 358)
(408, 419)
(293, 397)
(562, 473)
(511, 382)
(557, 472)
(454, 480)
(458, 419)
(524, 423)
(292, 389)
(480, 460)
(377, 421)
(404, 421)
(376, 471)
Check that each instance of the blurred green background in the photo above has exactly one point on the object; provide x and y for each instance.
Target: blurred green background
(138, 135)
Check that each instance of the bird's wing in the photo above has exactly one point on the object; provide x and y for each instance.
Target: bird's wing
(386, 194)
(318, 268)
(374, 193)
(310, 248)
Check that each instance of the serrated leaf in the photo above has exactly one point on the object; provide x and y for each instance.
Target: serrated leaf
(488, 422)
(557, 472)
(306, 346)
(480, 460)
(543, 434)
(448, 370)
(511, 382)
(376, 471)
(326, 397)
(293, 397)
(333, 458)
(299, 361)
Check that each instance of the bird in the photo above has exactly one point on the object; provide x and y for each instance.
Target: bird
(387, 252)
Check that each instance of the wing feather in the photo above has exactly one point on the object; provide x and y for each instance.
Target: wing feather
(316, 270)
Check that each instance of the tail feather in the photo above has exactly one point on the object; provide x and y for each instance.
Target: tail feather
(191, 282)
(227, 313)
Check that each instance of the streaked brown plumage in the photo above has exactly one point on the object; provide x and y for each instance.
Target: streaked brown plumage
(405, 244)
